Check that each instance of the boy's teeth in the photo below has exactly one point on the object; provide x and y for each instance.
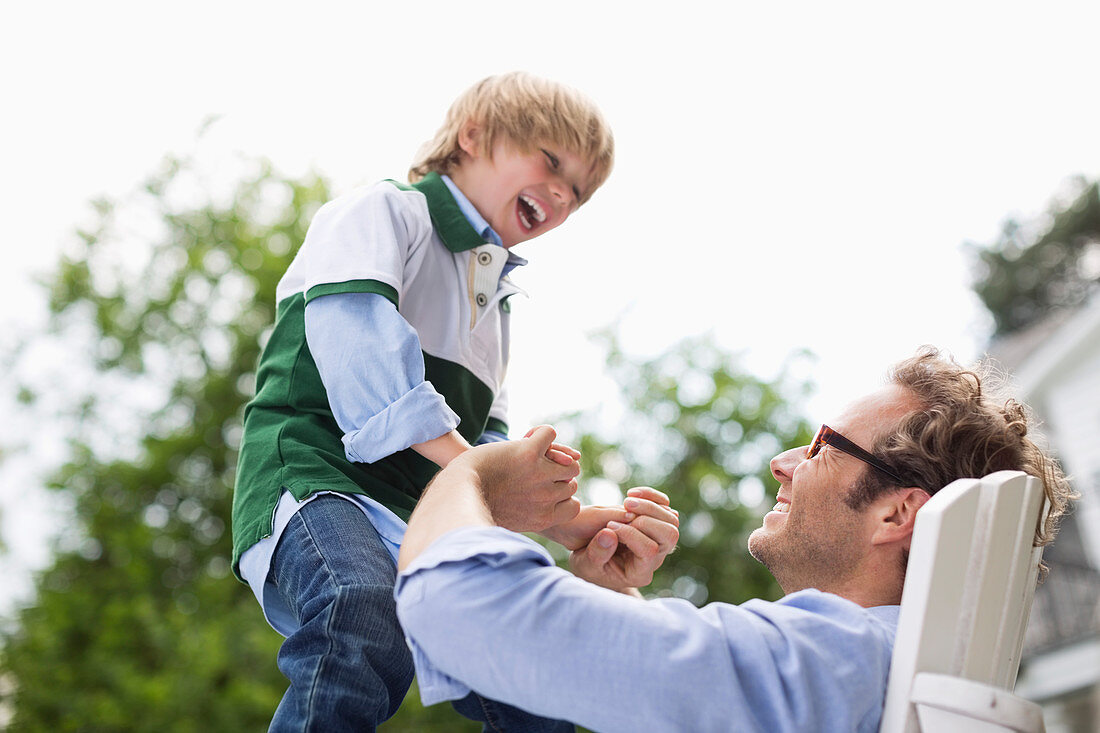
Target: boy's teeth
(524, 220)
(781, 507)
(540, 215)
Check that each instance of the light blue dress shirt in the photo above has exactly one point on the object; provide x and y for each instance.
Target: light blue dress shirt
(486, 609)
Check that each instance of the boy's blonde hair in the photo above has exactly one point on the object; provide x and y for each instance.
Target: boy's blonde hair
(525, 111)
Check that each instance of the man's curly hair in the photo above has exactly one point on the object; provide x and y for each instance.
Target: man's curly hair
(967, 428)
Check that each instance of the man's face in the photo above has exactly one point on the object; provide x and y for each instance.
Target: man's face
(812, 539)
(522, 194)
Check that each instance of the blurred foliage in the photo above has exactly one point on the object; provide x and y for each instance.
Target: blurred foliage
(703, 431)
(1039, 266)
(162, 306)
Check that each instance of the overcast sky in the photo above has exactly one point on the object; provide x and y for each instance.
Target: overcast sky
(788, 175)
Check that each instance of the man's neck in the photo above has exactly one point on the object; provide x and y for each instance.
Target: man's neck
(869, 597)
(867, 586)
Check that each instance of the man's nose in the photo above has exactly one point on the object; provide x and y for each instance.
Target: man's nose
(783, 465)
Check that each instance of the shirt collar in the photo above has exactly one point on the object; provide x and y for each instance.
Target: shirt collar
(480, 225)
(477, 221)
(451, 222)
(447, 219)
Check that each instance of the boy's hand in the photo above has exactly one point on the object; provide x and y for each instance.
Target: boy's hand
(579, 531)
(528, 484)
(623, 556)
(558, 452)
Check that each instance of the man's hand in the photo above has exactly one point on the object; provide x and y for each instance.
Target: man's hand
(524, 485)
(623, 556)
(528, 485)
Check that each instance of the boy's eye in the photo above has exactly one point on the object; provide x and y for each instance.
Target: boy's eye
(551, 158)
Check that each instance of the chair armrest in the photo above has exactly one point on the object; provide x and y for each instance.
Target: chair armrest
(947, 703)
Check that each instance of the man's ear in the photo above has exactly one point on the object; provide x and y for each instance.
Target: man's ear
(895, 515)
(469, 138)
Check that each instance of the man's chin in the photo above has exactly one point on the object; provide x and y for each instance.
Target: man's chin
(762, 548)
(758, 544)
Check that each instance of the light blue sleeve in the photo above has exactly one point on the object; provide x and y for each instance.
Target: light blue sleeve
(491, 436)
(488, 609)
(372, 367)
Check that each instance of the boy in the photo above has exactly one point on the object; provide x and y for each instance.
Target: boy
(386, 361)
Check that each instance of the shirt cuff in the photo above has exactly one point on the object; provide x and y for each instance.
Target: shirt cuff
(419, 415)
(493, 546)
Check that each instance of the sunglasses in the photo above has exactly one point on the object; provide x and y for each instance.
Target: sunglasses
(828, 436)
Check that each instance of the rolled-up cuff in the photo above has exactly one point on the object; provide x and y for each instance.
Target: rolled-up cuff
(419, 415)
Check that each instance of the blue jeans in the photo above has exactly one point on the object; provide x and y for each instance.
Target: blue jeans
(348, 665)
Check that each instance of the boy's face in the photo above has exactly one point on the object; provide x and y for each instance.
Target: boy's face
(520, 194)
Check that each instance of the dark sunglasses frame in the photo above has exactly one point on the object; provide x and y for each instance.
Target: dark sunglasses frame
(828, 436)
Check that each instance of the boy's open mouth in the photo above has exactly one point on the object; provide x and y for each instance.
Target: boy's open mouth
(530, 213)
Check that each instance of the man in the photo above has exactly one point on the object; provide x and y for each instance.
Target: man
(487, 608)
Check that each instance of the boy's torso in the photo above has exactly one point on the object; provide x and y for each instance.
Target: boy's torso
(446, 282)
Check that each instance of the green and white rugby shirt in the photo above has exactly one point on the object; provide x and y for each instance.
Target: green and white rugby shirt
(414, 246)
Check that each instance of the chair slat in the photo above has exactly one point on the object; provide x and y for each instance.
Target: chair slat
(996, 594)
(968, 588)
(932, 595)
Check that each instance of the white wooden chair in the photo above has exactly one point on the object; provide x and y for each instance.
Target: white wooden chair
(967, 597)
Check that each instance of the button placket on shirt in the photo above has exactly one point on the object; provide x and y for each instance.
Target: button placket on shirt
(487, 262)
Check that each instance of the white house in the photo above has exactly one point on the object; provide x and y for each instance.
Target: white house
(1056, 366)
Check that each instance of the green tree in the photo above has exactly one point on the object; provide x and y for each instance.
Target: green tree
(161, 307)
(1038, 266)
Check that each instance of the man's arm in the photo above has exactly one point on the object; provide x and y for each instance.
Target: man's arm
(490, 610)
